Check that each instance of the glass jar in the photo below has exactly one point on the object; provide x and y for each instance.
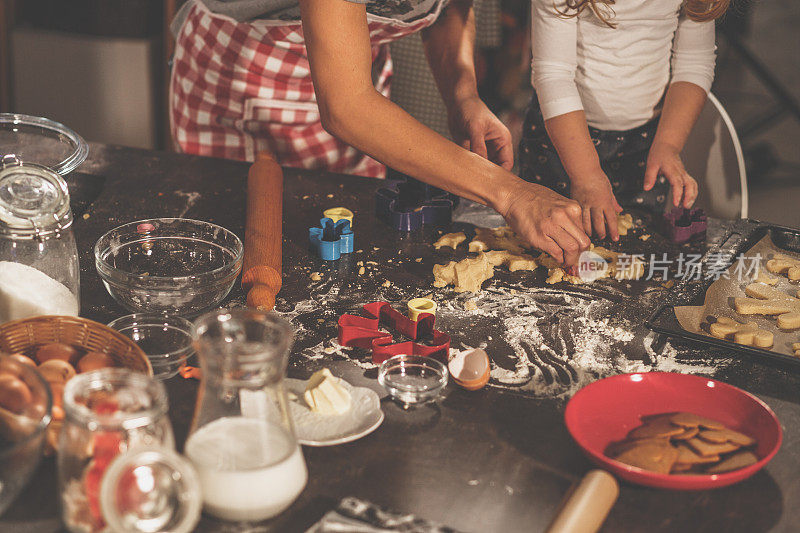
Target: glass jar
(39, 272)
(242, 441)
(107, 412)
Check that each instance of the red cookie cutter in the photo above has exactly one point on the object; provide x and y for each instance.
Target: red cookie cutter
(364, 332)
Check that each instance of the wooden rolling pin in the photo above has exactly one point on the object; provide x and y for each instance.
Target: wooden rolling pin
(263, 233)
(585, 507)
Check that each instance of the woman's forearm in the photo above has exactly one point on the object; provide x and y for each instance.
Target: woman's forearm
(450, 49)
(378, 127)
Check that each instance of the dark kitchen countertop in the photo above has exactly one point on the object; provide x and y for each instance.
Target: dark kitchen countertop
(494, 460)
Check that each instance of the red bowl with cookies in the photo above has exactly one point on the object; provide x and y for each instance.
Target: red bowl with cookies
(673, 431)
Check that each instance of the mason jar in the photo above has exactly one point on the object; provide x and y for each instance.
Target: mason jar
(39, 273)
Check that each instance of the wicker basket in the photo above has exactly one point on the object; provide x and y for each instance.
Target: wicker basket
(24, 335)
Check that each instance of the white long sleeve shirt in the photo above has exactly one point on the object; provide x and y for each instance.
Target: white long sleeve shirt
(617, 75)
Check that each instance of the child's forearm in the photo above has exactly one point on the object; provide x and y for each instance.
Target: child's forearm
(682, 105)
(570, 136)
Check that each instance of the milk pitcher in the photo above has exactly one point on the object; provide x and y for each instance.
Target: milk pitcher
(242, 442)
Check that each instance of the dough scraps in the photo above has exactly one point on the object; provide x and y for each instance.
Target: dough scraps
(749, 334)
(783, 264)
(467, 275)
(624, 223)
(502, 238)
(513, 261)
(450, 239)
(620, 267)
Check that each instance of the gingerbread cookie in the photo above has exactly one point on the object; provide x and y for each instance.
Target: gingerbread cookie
(734, 462)
(683, 443)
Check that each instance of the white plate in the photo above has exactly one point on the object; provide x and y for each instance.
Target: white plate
(314, 429)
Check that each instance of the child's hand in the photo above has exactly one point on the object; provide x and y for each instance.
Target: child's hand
(600, 207)
(664, 159)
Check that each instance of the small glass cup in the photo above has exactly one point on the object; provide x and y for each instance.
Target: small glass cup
(412, 379)
(166, 340)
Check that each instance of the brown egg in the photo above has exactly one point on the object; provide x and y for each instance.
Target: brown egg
(24, 359)
(56, 350)
(14, 394)
(57, 389)
(58, 412)
(94, 361)
(56, 370)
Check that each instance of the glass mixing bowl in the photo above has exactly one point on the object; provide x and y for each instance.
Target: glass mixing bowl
(169, 265)
(42, 141)
(166, 340)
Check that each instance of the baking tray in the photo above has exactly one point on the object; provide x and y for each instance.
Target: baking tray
(737, 239)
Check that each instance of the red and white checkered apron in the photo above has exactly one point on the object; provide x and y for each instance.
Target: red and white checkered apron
(237, 88)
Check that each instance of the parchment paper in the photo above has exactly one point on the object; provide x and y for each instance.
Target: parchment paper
(720, 295)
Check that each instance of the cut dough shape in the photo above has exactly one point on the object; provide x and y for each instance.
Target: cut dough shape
(766, 280)
(765, 300)
(748, 334)
(450, 239)
(466, 275)
(783, 264)
(502, 238)
(624, 223)
(789, 321)
(796, 348)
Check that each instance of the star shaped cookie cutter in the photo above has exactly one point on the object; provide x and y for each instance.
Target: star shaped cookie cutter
(409, 204)
(364, 332)
(331, 239)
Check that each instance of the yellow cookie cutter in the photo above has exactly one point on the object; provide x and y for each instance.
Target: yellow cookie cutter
(418, 306)
(338, 213)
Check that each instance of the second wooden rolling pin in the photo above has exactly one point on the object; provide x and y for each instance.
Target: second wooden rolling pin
(586, 505)
(263, 234)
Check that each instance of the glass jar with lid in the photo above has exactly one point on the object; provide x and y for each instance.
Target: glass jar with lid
(39, 273)
(117, 466)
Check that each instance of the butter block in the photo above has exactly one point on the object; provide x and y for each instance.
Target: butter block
(325, 395)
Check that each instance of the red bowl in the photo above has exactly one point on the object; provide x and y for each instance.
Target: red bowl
(606, 410)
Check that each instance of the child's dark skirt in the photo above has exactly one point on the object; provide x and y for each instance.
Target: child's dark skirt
(623, 157)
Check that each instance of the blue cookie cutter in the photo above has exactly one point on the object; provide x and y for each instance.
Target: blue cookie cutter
(409, 204)
(332, 239)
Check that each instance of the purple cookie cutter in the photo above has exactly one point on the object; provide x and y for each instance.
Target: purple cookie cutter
(410, 204)
(683, 225)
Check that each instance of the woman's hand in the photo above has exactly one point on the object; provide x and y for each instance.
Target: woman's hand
(599, 206)
(547, 220)
(664, 159)
(477, 129)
